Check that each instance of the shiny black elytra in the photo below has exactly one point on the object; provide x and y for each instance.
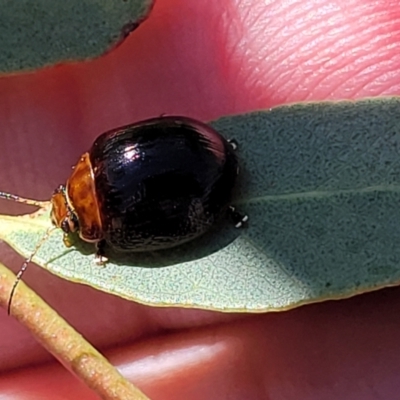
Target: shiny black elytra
(148, 186)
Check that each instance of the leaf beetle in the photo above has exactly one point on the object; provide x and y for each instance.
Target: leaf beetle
(151, 185)
(148, 186)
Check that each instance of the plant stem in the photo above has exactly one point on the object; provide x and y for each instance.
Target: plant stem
(64, 342)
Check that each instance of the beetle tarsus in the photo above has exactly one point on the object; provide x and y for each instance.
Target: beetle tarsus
(67, 240)
(100, 258)
(234, 144)
(238, 219)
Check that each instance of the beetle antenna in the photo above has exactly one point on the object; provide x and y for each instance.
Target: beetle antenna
(24, 267)
(23, 200)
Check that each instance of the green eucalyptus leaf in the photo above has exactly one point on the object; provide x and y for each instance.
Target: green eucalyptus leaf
(320, 183)
(35, 33)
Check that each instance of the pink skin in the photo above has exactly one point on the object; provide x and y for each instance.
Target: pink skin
(250, 56)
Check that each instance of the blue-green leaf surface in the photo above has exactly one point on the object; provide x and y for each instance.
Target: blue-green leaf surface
(320, 183)
(35, 33)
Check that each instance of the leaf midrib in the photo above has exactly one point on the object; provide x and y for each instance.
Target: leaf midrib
(320, 194)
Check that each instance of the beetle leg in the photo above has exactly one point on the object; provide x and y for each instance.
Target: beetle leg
(67, 240)
(238, 219)
(100, 258)
(233, 143)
